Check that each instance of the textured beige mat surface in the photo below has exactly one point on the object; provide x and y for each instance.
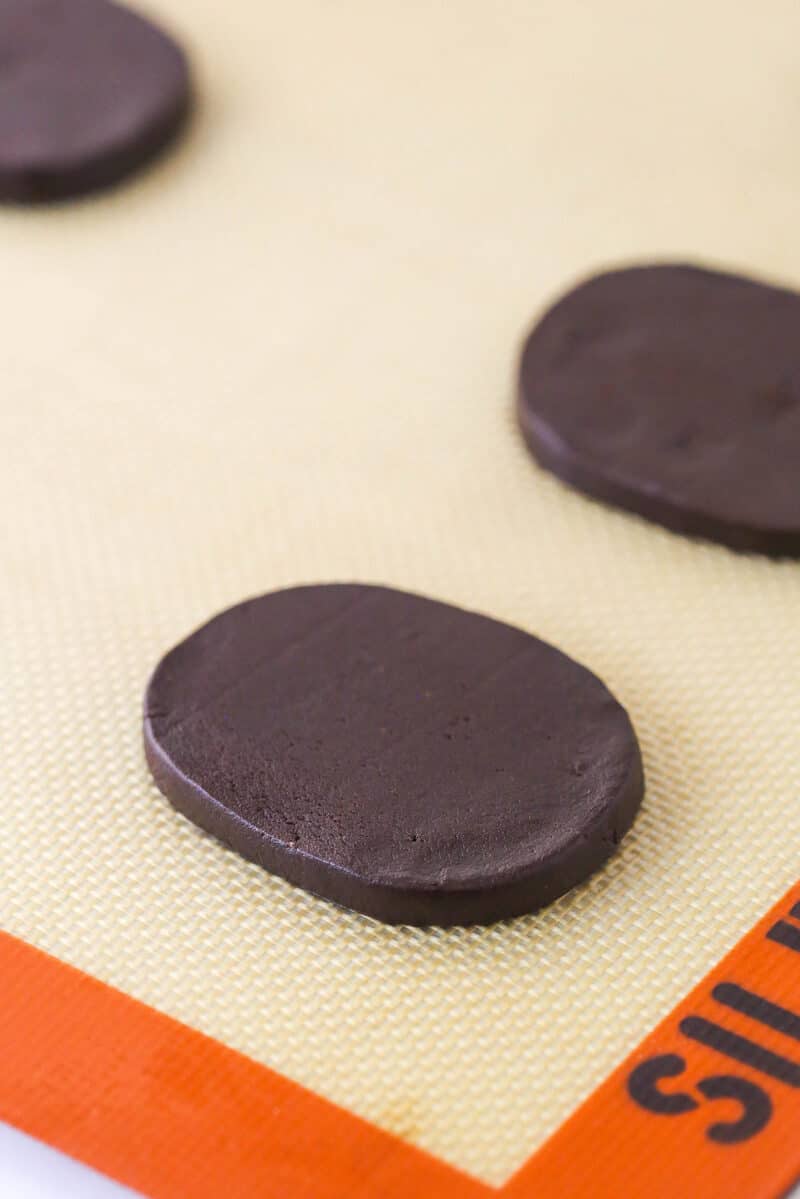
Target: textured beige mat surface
(287, 354)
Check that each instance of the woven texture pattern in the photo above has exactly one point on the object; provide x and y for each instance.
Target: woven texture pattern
(287, 355)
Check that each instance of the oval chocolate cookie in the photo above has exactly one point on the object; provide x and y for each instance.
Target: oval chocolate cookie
(88, 92)
(405, 758)
(674, 392)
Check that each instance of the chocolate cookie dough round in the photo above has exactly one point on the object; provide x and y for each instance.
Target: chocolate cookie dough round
(405, 758)
(674, 392)
(88, 92)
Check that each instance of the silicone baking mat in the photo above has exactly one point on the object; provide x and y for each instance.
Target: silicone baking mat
(287, 354)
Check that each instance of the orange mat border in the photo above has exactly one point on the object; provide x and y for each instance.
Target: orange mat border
(173, 1113)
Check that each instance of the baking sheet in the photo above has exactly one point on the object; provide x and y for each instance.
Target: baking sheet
(287, 354)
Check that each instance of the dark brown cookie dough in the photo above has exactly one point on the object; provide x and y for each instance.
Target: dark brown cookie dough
(88, 92)
(405, 758)
(674, 392)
